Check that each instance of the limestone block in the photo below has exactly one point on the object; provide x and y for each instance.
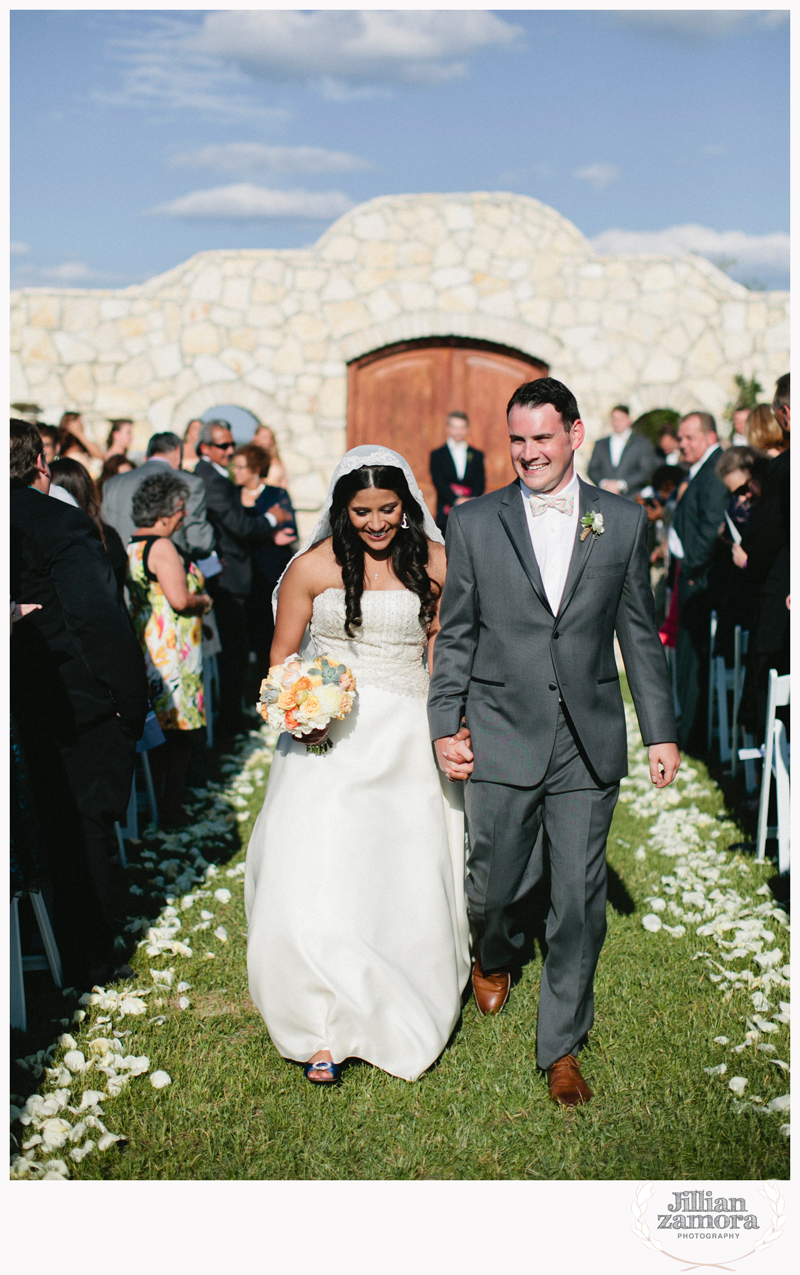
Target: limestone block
(413, 255)
(239, 361)
(138, 372)
(200, 338)
(264, 316)
(43, 312)
(315, 352)
(307, 327)
(308, 384)
(347, 316)
(133, 326)
(676, 341)
(114, 308)
(134, 346)
(591, 288)
(308, 491)
(167, 359)
(78, 314)
(430, 232)
(340, 248)
(738, 346)
(236, 293)
(107, 340)
(515, 243)
(488, 283)
(695, 324)
(370, 226)
(209, 369)
(415, 297)
(382, 306)
(79, 383)
(290, 305)
(37, 347)
(705, 355)
(71, 349)
(494, 214)
(756, 316)
(378, 256)
(661, 368)
(588, 311)
(261, 378)
(120, 400)
(776, 339)
(195, 312)
(450, 277)
(104, 373)
(564, 316)
(301, 426)
(502, 303)
(49, 392)
(221, 317)
(659, 277)
(38, 374)
(243, 338)
(271, 269)
(338, 288)
(160, 413)
(18, 381)
(265, 292)
(447, 254)
(614, 316)
(207, 286)
(594, 354)
(734, 316)
(333, 397)
(172, 321)
(288, 358)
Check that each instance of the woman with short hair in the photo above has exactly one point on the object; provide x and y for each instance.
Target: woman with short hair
(167, 605)
(763, 431)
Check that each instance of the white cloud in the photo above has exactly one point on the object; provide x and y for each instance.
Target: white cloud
(698, 26)
(253, 157)
(600, 176)
(336, 48)
(68, 274)
(765, 253)
(17, 248)
(247, 200)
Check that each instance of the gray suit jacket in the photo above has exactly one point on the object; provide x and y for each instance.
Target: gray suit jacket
(196, 536)
(502, 658)
(636, 465)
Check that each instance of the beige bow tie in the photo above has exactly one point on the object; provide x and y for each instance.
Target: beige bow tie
(540, 503)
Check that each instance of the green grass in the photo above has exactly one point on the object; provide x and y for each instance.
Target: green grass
(236, 1110)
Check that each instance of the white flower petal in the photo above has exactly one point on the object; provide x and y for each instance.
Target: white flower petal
(74, 1060)
(184, 1002)
(779, 1104)
(737, 1085)
(221, 933)
(223, 895)
(651, 922)
(160, 1080)
(720, 1040)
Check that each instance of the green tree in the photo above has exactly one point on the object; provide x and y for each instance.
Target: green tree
(651, 423)
(747, 395)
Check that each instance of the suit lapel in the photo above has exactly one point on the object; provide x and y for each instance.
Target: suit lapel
(588, 500)
(515, 522)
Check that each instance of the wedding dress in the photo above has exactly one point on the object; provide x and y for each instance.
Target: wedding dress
(358, 933)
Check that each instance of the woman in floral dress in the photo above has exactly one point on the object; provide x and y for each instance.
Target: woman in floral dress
(167, 606)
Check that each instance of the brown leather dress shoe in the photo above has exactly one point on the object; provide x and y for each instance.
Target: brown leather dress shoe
(490, 990)
(567, 1085)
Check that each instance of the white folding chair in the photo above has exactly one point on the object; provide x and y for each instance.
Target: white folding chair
(776, 761)
(20, 963)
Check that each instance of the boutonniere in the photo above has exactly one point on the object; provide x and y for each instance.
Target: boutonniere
(592, 522)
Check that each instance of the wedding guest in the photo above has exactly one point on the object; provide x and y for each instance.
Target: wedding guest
(741, 470)
(276, 474)
(765, 544)
(740, 417)
(457, 470)
(250, 464)
(623, 462)
(765, 432)
(693, 540)
(79, 698)
(73, 440)
(114, 465)
(237, 535)
(196, 536)
(668, 449)
(190, 456)
(74, 478)
(167, 606)
(120, 437)
(49, 435)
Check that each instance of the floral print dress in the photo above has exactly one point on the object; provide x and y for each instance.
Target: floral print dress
(172, 643)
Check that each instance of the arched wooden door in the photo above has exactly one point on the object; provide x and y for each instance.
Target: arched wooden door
(400, 397)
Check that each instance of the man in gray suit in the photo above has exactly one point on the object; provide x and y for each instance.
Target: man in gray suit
(196, 536)
(623, 462)
(540, 576)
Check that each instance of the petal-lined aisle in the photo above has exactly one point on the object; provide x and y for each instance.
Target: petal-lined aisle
(174, 1076)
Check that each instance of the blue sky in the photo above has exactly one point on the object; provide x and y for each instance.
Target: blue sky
(141, 137)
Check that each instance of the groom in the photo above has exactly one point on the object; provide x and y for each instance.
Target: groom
(540, 576)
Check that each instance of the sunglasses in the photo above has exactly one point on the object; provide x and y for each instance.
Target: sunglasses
(223, 447)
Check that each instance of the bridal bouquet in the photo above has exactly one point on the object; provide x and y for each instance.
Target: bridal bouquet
(301, 696)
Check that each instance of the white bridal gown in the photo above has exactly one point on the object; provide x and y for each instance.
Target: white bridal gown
(358, 937)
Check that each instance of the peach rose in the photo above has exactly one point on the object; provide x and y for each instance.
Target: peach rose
(286, 700)
(291, 721)
(302, 684)
(311, 706)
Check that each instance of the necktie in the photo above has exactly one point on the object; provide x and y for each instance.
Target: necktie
(541, 502)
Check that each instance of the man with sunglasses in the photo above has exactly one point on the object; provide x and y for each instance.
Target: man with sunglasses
(238, 534)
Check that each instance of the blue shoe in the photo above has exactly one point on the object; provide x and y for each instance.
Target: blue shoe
(334, 1070)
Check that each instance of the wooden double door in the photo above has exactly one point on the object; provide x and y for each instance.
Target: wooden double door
(400, 397)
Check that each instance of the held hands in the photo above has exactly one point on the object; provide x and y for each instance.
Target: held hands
(454, 755)
(284, 536)
(665, 762)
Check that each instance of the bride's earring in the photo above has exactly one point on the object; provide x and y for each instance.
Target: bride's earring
(404, 525)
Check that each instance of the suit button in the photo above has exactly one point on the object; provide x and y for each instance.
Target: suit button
(555, 635)
(552, 687)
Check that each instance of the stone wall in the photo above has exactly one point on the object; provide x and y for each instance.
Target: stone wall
(274, 330)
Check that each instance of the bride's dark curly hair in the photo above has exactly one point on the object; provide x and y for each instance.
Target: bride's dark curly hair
(409, 547)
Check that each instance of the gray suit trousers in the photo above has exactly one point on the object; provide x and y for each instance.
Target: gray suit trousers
(506, 859)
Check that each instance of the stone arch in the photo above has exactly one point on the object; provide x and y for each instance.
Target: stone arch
(260, 403)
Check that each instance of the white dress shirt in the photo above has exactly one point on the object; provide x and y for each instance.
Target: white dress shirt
(673, 539)
(458, 450)
(553, 538)
(616, 446)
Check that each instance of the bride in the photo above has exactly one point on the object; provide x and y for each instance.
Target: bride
(358, 940)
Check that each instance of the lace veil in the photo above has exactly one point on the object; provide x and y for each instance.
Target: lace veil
(356, 458)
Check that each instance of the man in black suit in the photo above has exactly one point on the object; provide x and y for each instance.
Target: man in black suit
(692, 540)
(622, 463)
(457, 470)
(765, 542)
(79, 699)
(238, 534)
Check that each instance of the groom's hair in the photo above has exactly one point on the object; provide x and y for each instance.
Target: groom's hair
(547, 390)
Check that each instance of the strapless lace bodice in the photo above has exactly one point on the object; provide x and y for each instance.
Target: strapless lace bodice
(388, 647)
